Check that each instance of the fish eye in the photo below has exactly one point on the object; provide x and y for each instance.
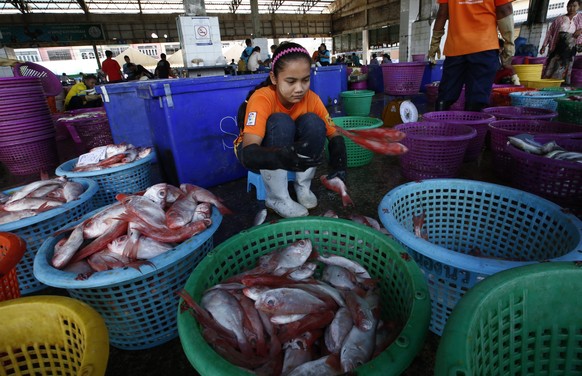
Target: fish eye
(270, 302)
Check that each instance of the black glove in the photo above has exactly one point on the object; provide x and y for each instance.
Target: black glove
(338, 158)
(255, 157)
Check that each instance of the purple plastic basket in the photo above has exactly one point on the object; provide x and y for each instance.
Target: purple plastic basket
(501, 129)
(402, 78)
(520, 113)
(30, 157)
(477, 120)
(435, 150)
(556, 180)
(535, 60)
(50, 82)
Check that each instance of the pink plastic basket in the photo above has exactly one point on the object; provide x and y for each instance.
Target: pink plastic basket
(402, 78)
(501, 129)
(477, 120)
(30, 157)
(50, 82)
(557, 180)
(520, 113)
(89, 127)
(435, 150)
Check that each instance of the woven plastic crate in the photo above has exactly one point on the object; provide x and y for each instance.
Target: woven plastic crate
(88, 128)
(435, 150)
(402, 78)
(520, 113)
(35, 230)
(357, 102)
(523, 321)
(538, 99)
(31, 156)
(476, 120)
(501, 129)
(357, 155)
(401, 286)
(500, 96)
(138, 306)
(51, 84)
(556, 180)
(569, 111)
(12, 248)
(52, 335)
(130, 178)
(475, 230)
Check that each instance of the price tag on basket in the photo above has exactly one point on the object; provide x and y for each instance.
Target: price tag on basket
(92, 157)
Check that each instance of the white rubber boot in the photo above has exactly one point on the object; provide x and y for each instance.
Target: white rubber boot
(302, 188)
(278, 197)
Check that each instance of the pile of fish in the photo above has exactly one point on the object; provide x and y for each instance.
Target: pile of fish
(108, 156)
(277, 319)
(550, 149)
(136, 229)
(38, 197)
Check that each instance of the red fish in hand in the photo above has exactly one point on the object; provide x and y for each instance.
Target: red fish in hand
(337, 185)
(376, 142)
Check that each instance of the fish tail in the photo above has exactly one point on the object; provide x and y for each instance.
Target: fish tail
(347, 200)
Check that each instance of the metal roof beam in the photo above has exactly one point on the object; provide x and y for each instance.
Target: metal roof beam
(234, 4)
(275, 5)
(20, 5)
(307, 5)
(83, 6)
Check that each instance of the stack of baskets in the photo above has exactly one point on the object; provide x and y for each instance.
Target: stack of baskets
(435, 150)
(403, 291)
(500, 95)
(129, 178)
(557, 180)
(403, 78)
(89, 128)
(357, 155)
(474, 230)
(35, 230)
(476, 120)
(138, 306)
(520, 113)
(501, 129)
(12, 248)
(538, 99)
(357, 102)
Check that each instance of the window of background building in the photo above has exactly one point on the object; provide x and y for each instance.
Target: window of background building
(172, 48)
(54, 55)
(31, 56)
(148, 50)
(88, 53)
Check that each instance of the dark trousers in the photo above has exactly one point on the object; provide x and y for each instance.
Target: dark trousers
(307, 133)
(475, 71)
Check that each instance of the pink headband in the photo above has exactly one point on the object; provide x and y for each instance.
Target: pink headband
(289, 50)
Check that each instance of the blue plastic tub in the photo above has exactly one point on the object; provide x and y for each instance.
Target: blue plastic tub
(138, 306)
(193, 122)
(475, 230)
(432, 73)
(328, 82)
(375, 78)
(127, 113)
(35, 230)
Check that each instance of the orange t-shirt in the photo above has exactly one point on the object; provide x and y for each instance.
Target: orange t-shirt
(472, 26)
(265, 102)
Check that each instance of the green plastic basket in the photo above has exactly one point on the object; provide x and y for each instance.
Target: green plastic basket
(522, 321)
(569, 111)
(357, 155)
(357, 102)
(402, 286)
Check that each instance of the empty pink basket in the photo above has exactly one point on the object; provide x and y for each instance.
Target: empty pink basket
(435, 150)
(403, 78)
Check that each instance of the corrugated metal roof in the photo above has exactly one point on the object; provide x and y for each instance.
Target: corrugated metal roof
(162, 6)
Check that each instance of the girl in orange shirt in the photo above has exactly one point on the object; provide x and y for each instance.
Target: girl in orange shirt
(284, 129)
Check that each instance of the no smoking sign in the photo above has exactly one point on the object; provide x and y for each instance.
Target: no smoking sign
(202, 32)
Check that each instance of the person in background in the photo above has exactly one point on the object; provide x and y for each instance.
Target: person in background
(254, 61)
(127, 68)
(386, 59)
(560, 40)
(232, 67)
(323, 55)
(66, 80)
(471, 49)
(356, 60)
(163, 68)
(283, 127)
(267, 62)
(247, 52)
(78, 97)
(111, 68)
(374, 60)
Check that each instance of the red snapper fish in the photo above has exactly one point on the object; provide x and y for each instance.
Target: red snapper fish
(337, 185)
(381, 140)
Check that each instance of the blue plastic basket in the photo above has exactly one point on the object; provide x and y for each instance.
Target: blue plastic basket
(536, 99)
(475, 229)
(130, 178)
(138, 306)
(35, 230)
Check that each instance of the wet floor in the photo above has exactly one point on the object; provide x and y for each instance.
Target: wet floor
(367, 186)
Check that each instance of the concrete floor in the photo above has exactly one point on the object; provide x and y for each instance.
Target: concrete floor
(367, 185)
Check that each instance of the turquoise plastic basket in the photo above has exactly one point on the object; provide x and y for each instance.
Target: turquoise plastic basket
(537, 99)
(35, 230)
(475, 229)
(138, 306)
(130, 178)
